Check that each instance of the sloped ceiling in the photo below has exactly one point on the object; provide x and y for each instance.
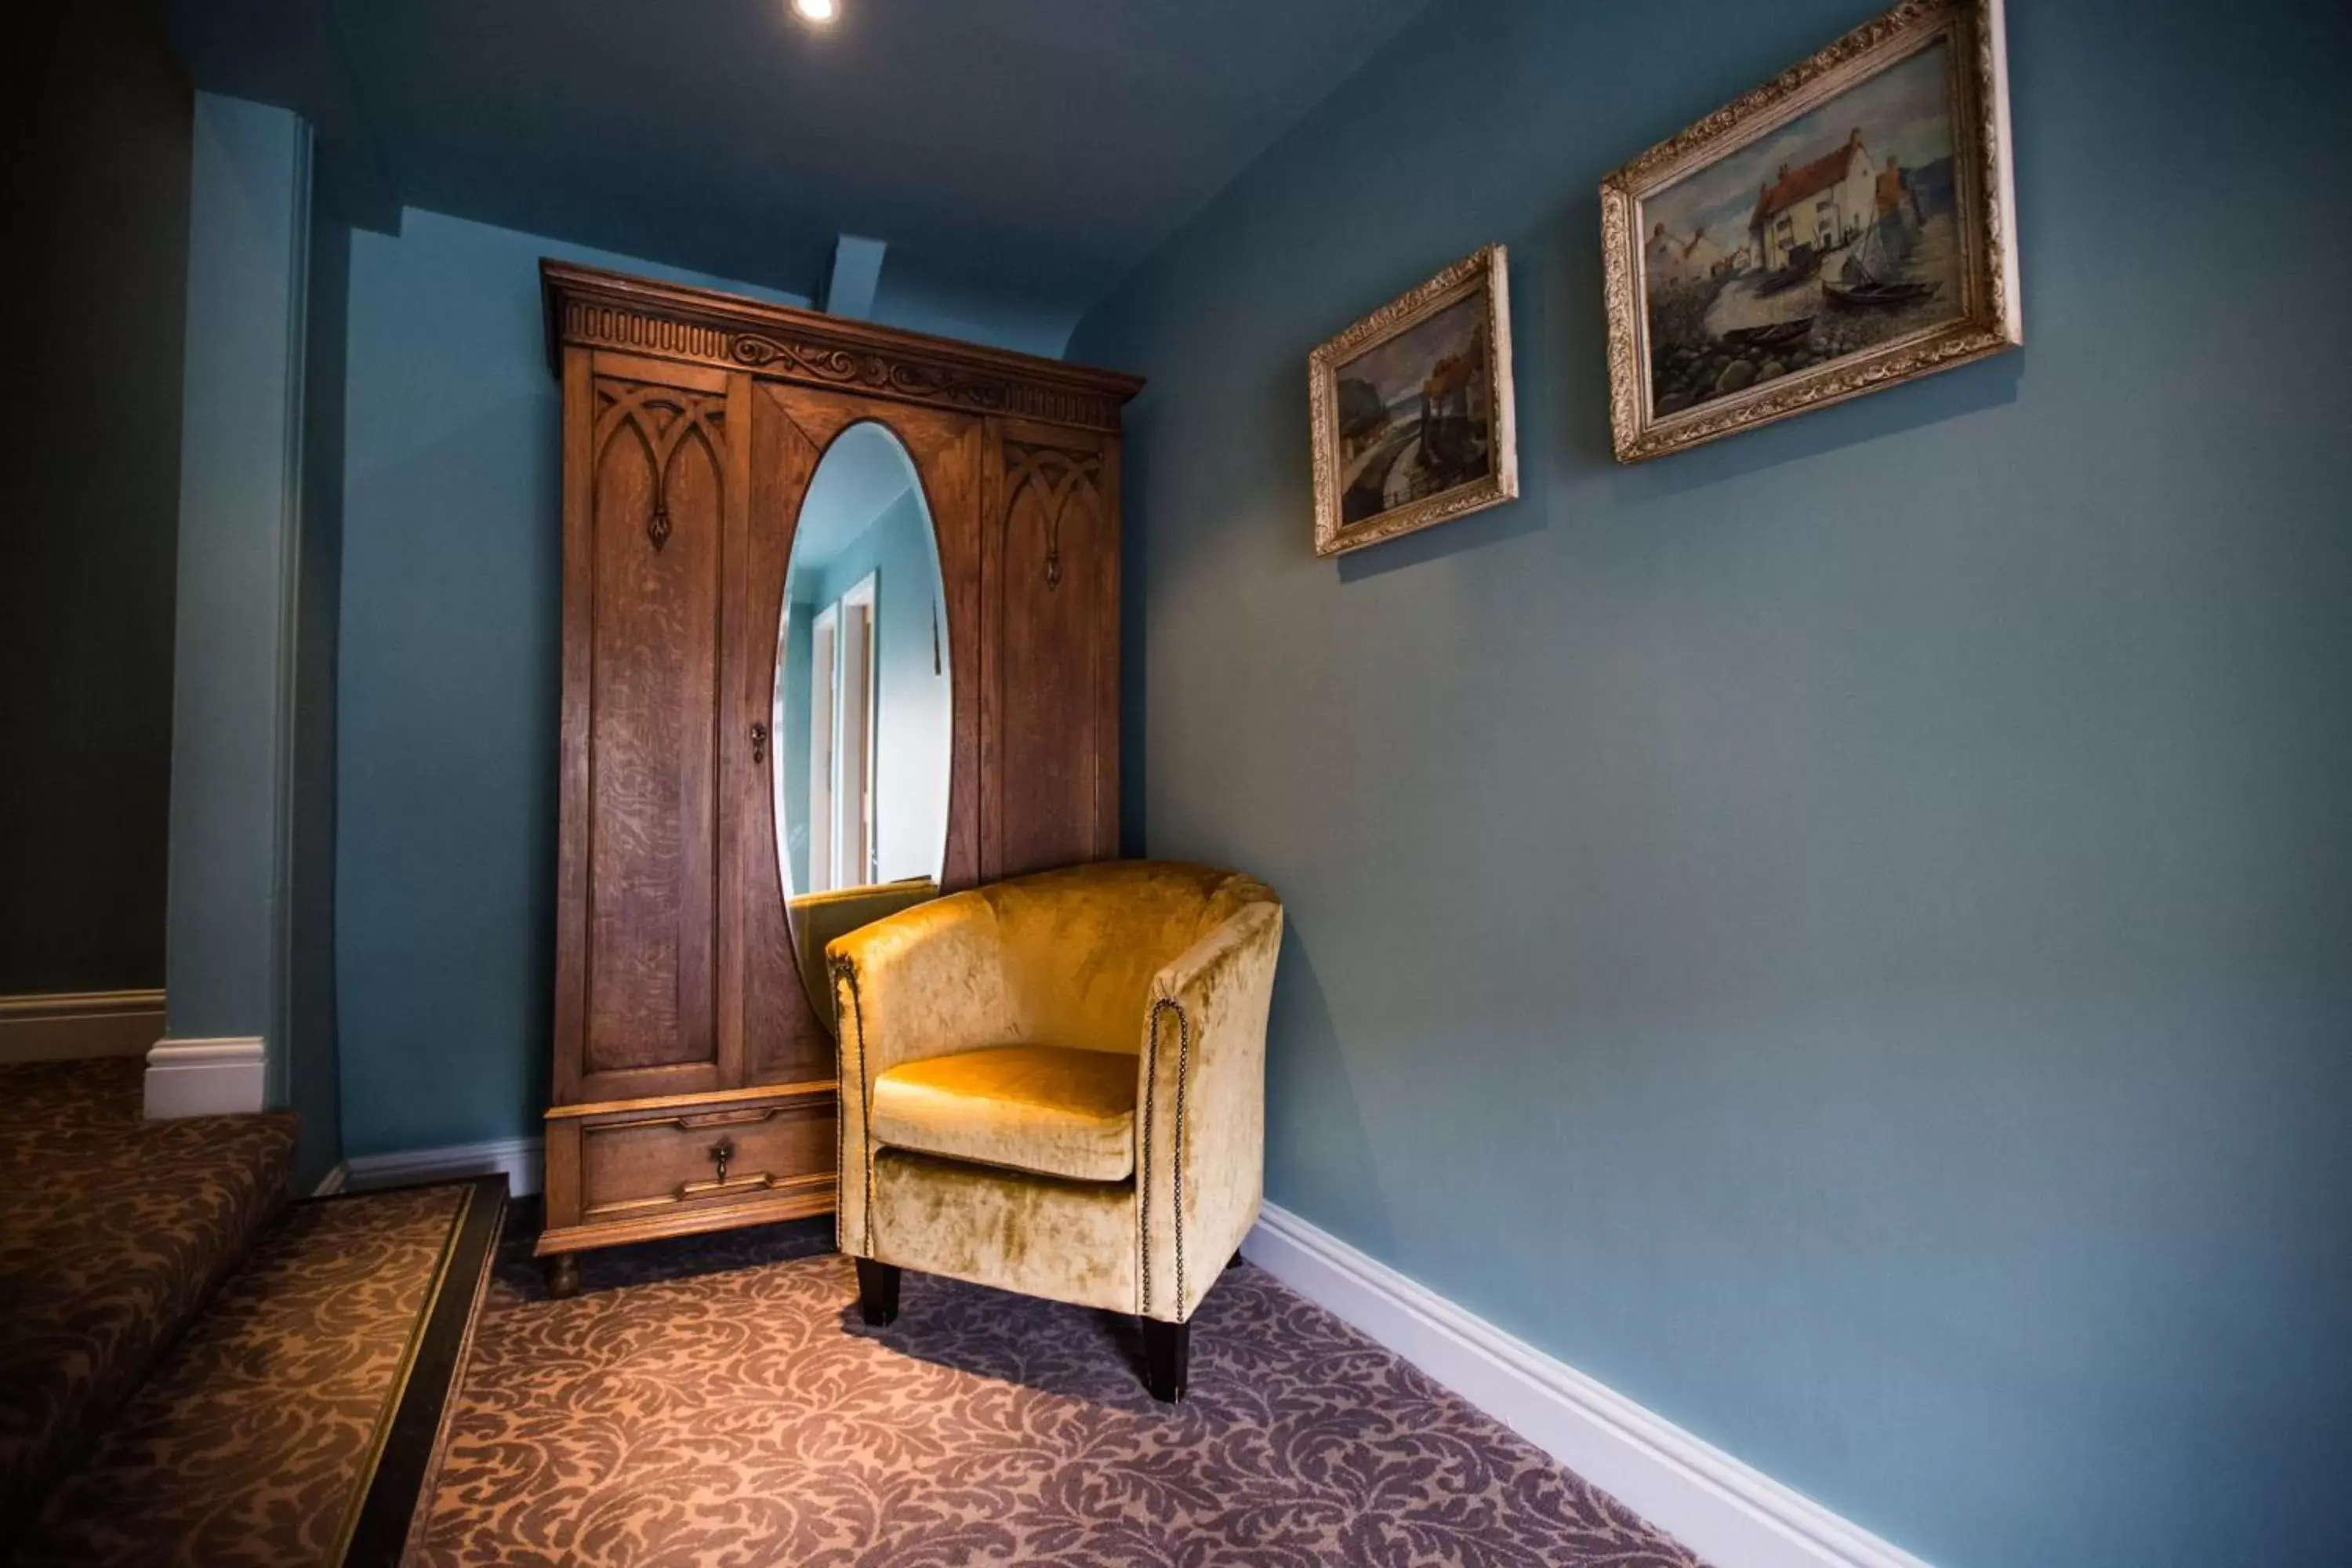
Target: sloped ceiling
(1014, 154)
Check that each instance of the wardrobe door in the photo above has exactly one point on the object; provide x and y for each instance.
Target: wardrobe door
(1049, 791)
(792, 428)
(654, 469)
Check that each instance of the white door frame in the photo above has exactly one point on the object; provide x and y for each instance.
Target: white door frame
(824, 636)
(859, 711)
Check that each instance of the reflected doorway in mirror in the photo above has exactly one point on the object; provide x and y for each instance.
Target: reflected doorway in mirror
(862, 713)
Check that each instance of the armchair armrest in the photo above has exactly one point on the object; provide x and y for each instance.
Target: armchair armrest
(1200, 1164)
(925, 981)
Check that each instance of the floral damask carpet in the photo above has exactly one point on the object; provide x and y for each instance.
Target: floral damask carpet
(263, 1431)
(717, 1402)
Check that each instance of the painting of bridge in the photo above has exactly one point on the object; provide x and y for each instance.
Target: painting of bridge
(1413, 414)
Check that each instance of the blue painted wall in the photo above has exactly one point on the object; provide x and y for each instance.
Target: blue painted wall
(1841, 935)
(251, 929)
(797, 712)
(448, 680)
(313, 1086)
(906, 296)
(239, 509)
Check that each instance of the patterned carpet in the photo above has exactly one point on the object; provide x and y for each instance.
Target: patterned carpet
(717, 1402)
(114, 1231)
(258, 1437)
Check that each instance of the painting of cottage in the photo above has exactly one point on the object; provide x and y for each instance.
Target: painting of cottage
(1832, 235)
(1414, 412)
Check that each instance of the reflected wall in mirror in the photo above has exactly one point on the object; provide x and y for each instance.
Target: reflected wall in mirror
(863, 720)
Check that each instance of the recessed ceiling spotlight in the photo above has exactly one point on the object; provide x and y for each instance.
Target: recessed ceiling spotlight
(818, 11)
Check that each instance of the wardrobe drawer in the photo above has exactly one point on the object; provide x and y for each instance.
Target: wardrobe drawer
(635, 1166)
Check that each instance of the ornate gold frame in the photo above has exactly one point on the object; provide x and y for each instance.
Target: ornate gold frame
(1991, 319)
(1487, 268)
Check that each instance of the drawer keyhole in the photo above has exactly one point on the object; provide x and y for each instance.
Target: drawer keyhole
(720, 1153)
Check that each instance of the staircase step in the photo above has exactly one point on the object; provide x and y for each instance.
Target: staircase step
(295, 1421)
(114, 1233)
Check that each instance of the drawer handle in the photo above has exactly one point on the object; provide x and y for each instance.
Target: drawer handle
(720, 1152)
(721, 1118)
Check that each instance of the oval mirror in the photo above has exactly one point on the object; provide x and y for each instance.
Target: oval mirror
(863, 721)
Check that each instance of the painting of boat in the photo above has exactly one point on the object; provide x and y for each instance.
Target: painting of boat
(1875, 296)
(1778, 335)
(1837, 231)
(1869, 279)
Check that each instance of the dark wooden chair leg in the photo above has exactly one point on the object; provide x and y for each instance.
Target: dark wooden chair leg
(1235, 1261)
(878, 1292)
(563, 1274)
(1167, 1352)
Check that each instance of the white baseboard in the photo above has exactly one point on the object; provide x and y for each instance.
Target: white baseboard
(76, 1024)
(204, 1077)
(519, 1158)
(1732, 1515)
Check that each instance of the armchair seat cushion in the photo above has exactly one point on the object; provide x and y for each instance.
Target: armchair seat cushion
(1053, 1111)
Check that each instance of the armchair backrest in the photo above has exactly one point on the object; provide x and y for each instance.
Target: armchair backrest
(1080, 946)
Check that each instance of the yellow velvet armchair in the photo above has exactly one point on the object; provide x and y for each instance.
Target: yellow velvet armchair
(1056, 1085)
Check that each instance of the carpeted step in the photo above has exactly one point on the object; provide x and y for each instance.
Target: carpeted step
(295, 1422)
(114, 1231)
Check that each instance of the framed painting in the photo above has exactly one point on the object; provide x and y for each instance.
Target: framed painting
(1842, 229)
(1412, 409)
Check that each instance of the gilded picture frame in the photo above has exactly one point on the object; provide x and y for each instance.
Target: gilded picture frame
(1862, 260)
(1411, 411)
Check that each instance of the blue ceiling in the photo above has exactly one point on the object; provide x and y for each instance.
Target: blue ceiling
(1016, 154)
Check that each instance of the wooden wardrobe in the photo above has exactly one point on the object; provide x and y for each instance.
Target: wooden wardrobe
(694, 1086)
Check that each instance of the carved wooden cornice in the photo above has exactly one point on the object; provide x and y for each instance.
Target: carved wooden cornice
(594, 309)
